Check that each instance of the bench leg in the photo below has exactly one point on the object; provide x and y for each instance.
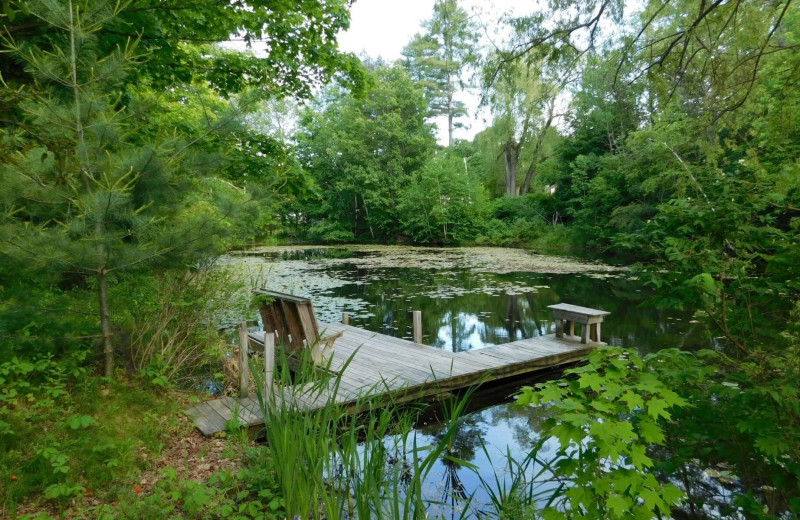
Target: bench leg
(559, 328)
(584, 333)
(571, 328)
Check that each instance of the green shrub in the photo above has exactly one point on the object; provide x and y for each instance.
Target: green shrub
(328, 231)
(605, 418)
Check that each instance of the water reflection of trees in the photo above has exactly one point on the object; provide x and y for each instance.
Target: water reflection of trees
(524, 423)
(462, 310)
(463, 446)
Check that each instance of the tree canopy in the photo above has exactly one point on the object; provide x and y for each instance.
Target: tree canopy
(294, 43)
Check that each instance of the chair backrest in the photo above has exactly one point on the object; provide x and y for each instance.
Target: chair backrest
(290, 317)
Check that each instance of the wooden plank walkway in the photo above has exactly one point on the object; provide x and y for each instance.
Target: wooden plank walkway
(383, 365)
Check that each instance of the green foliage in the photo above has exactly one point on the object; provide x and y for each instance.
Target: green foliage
(438, 60)
(629, 427)
(78, 421)
(362, 154)
(330, 232)
(244, 494)
(701, 187)
(443, 203)
(169, 324)
(19, 378)
(88, 194)
(68, 437)
(606, 416)
(302, 41)
(742, 422)
(515, 221)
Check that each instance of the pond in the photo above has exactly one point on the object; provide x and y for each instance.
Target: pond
(470, 298)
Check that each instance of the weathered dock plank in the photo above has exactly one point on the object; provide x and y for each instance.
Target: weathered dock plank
(384, 367)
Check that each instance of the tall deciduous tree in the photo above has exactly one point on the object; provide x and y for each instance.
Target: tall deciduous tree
(362, 153)
(437, 59)
(524, 100)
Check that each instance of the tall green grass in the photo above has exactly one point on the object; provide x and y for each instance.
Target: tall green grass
(362, 458)
(523, 488)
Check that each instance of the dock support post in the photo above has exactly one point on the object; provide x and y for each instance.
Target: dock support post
(345, 318)
(244, 369)
(417, 326)
(269, 364)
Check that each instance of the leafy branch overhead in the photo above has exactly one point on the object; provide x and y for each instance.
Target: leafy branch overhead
(678, 43)
(293, 44)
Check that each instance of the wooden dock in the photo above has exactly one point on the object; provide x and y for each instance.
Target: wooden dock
(383, 366)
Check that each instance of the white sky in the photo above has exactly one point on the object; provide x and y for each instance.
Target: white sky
(383, 27)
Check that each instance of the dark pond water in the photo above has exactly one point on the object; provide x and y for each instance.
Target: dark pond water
(463, 309)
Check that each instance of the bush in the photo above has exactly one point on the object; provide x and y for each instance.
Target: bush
(442, 203)
(41, 319)
(517, 221)
(330, 232)
(169, 332)
(514, 233)
(528, 207)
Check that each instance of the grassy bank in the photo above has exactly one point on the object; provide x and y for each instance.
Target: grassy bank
(92, 448)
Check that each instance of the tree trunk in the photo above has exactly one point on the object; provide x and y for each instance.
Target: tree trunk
(531, 173)
(512, 317)
(510, 160)
(99, 228)
(366, 213)
(105, 323)
(450, 120)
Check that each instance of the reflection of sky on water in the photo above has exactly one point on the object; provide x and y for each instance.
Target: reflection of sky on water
(468, 331)
(474, 332)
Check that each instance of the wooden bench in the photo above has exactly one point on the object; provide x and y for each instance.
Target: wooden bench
(292, 320)
(567, 316)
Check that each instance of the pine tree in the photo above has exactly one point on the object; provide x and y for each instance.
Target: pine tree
(438, 59)
(84, 190)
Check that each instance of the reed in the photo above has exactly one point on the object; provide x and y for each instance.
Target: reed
(523, 488)
(363, 459)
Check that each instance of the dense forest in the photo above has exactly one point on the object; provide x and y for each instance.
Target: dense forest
(136, 146)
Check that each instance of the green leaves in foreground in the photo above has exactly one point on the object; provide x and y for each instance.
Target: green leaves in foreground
(605, 416)
(78, 421)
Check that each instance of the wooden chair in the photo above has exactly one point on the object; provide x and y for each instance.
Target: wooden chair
(292, 320)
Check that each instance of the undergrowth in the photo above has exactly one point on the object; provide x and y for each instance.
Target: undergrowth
(65, 438)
